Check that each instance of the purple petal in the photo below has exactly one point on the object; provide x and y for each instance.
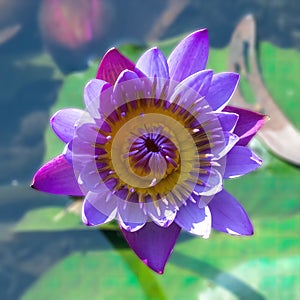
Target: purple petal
(67, 152)
(112, 64)
(193, 87)
(194, 219)
(222, 87)
(131, 216)
(92, 93)
(190, 56)
(161, 214)
(57, 177)
(63, 123)
(158, 166)
(153, 244)
(228, 121)
(80, 152)
(90, 177)
(127, 87)
(153, 64)
(230, 140)
(88, 132)
(98, 208)
(126, 75)
(239, 161)
(248, 124)
(212, 182)
(81, 148)
(228, 215)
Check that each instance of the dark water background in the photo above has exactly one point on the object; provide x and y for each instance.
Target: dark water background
(27, 92)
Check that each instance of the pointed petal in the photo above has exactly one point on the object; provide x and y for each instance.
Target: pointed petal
(199, 82)
(98, 208)
(222, 87)
(112, 64)
(194, 219)
(57, 177)
(153, 64)
(92, 93)
(248, 124)
(63, 123)
(193, 88)
(240, 161)
(190, 56)
(153, 244)
(228, 215)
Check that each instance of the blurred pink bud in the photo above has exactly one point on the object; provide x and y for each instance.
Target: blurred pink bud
(72, 23)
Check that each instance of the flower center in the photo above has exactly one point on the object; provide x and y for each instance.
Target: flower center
(153, 153)
(151, 145)
(150, 153)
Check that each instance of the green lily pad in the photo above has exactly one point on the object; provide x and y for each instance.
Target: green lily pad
(273, 279)
(49, 219)
(243, 267)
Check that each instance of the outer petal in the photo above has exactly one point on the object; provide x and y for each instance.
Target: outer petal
(98, 208)
(153, 64)
(194, 219)
(153, 244)
(248, 124)
(239, 161)
(190, 56)
(57, 177)
(63, 123)
(222, 87)
(112, 64)
(228, 215)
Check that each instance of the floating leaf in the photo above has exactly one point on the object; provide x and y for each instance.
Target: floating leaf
(49, 219)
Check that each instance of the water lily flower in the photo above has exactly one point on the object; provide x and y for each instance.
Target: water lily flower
(153, 148)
